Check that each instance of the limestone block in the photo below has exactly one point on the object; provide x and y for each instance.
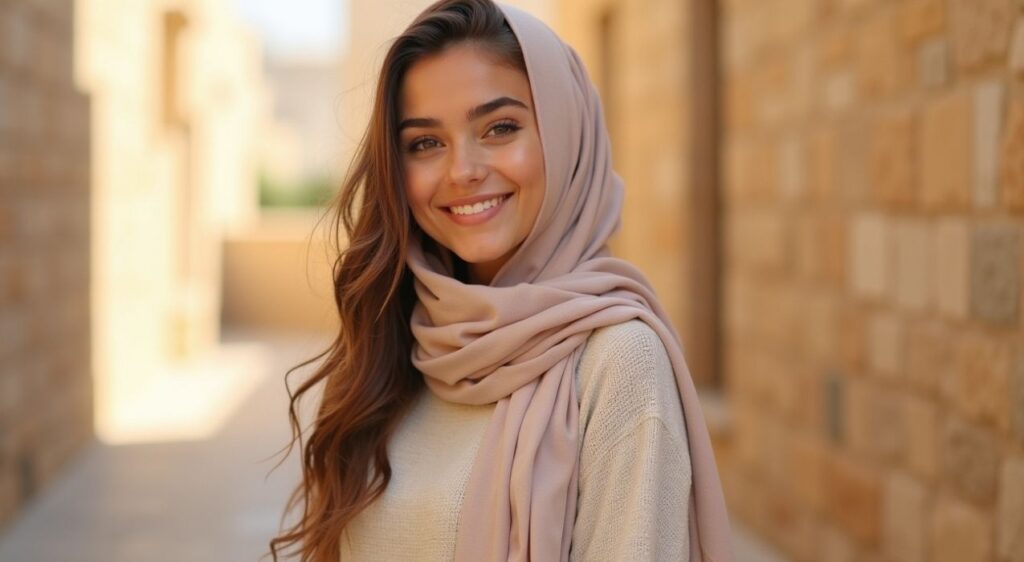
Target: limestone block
(960, 532)
(1011, 158)
(905, 518)
(995, 273)
(980, 30)
(869, 251)
(1010, 511)
(988, 120)
(946, 168)
(970, 460)
(913, 264)
(892, 160)
(951, 243)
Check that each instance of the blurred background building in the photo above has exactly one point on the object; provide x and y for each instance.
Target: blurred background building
(827, 195)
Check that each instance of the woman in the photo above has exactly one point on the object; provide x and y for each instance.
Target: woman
(501, 387)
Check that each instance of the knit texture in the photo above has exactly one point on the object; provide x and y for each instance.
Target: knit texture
(635, 474)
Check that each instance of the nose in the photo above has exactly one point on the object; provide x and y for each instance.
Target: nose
(466, 165)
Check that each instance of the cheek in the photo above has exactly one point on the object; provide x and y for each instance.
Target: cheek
(524, 165)
(529, 174)
(418, 189)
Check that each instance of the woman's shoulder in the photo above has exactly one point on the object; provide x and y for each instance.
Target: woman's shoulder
(625, 378)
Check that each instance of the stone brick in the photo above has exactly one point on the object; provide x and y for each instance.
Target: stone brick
(892, 160)
(946, 152)
(869, 247)
(835, 49)
(905, 518)
(854, 499)
(930, 355)
(883, 64)
(933, 64)
(922, 427)
(988, 119)
(820, 327)
(16, 36)
(1017, 48)
(886, 344)
(821, 165)
(752, 171)
(806, 459)
(758, 239)
(982, 380)
(1011, 157)
(920, 19)
(952, 266)
(980, 30)
(835, 546)
(839, 91)
(791, 169)
(1017, 395)
(995, 273)
(853, 336)
(913, 267)
(970, 460)
(779, 318)
(1010, 511)
(960, 532)
(739, 101)
(856, 396)
(820, 247)
(887, 427)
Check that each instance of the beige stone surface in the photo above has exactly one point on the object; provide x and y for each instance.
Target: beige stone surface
(1010, 511)
(951, 241)
(959, 531)
(946, 163)
(922, 426)
(970, 460)
(981, 387)
(886, 347)
(920, 19)
(1011, 157)
(913, 276)
(855, 499)
(863, 147)
(46, 221)
(893, 160)
(980, 30)
(905, 519)
(869, 255)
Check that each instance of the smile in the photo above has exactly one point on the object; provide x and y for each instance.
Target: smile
(479, 212)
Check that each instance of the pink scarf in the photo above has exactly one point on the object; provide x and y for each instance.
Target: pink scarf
(517, 342)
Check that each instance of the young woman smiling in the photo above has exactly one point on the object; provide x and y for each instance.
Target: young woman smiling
(502, 387)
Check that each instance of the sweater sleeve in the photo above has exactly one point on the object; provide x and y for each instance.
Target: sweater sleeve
(634, 474)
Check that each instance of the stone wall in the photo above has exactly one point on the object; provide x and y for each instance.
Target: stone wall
(45, 373)
(872, 190)
(873, 179)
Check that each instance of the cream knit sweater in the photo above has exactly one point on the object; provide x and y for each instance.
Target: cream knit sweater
(634, 469)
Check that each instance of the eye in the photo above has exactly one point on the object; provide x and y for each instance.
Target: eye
(502, 128)
(421, 144)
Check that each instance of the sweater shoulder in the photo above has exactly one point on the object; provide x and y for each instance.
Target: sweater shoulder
(624, 378)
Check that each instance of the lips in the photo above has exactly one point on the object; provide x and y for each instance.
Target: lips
(480, 217)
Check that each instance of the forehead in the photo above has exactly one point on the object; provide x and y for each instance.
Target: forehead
(456, 79)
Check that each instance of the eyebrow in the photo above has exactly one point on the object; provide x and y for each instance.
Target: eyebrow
(476, 112)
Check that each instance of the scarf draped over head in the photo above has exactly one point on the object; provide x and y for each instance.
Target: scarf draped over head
(517, 342)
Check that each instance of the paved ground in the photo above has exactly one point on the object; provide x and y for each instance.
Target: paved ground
(188, 501)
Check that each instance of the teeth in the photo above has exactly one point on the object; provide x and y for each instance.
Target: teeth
(478, 207)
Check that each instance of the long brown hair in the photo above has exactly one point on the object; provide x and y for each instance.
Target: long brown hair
(368, 378)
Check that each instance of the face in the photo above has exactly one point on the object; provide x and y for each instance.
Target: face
(471, 153)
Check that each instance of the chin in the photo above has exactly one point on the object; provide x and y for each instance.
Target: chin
(477, 255)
